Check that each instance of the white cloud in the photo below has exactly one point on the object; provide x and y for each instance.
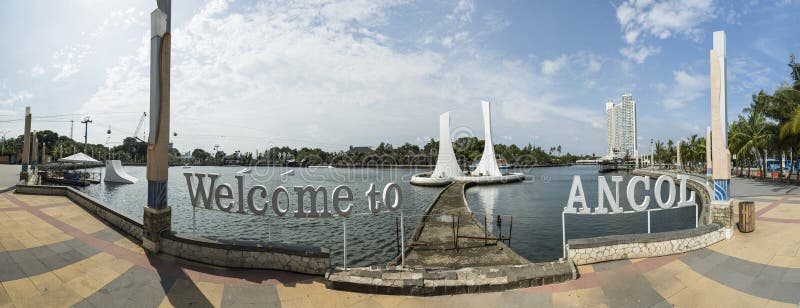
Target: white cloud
(660, 19)
(687, 89)
(450, 40)
(463, 11)
(587, 61)
(663, 18)
(640, 53)
(68, 60)
(281, 73)
(120, 19)
(551, 67)
(772, 48)
(35, 71)
(593, 63)
(15, 97)
(746, 75)
(495, 21)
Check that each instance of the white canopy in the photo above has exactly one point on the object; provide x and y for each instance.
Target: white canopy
(79, 158)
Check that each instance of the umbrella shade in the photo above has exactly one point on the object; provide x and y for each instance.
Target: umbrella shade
(79, 158)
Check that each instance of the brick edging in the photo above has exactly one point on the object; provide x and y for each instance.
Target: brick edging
(445, 281)
(236, 254)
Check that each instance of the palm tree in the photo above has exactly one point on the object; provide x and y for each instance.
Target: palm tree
(790, 128)
(693, 151)
(750, 135)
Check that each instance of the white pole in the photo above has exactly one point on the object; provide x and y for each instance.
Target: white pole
(563, 237)
(648, 221)
(344, 241)
(402, 241)
(695, 215)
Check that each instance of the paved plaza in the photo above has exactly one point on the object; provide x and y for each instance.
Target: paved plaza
(54, 254)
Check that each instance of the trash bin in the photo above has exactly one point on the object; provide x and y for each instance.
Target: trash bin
(747, 216)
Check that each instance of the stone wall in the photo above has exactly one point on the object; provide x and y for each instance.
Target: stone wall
(247, 254)
(131, 226)
(229, 253)
(631, 246)
(445, 281)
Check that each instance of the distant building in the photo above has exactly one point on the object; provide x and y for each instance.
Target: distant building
(360, 150)
(621, 128)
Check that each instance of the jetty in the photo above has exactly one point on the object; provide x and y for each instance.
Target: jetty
(450, 236)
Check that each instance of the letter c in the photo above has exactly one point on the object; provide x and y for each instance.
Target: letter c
(631, 192)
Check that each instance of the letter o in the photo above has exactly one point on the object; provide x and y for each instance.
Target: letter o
(275, 206)
(657, 191)
(398, 197)
(251, 203)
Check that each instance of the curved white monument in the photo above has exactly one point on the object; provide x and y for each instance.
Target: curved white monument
(447, 169)
(446, 163)
(115, 173)
(488, 164)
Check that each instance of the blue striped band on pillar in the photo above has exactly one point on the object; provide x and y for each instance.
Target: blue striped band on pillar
(156, 194)
(721, 190)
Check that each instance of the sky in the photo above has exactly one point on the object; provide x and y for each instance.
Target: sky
(248, 75)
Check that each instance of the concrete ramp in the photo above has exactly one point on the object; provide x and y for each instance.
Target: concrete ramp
(115, 173)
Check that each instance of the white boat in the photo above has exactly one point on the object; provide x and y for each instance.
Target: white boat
(287, 173)
(328, 167)
(245, 170)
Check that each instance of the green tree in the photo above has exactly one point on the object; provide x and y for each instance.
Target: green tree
(749, 136)
(200, 155)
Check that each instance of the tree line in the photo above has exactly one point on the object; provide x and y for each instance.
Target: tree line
(56, 146)
(467, 150)
(769, 126)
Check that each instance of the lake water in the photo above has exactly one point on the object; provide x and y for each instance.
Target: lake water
(535, 204)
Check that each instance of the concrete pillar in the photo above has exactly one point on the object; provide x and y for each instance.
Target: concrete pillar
(34, 149)
(708, 152)
(158, 215)
(26, 145)
(721, 172)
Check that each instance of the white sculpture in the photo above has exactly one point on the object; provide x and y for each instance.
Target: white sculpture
(447, 169)
(446, 163)
(115, 173)
(488, 164)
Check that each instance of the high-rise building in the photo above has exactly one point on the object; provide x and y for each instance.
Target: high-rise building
(621, 128)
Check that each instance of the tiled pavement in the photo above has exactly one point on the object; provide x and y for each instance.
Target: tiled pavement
(52, 253)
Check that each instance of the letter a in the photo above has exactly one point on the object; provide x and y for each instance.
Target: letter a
(576, 195)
